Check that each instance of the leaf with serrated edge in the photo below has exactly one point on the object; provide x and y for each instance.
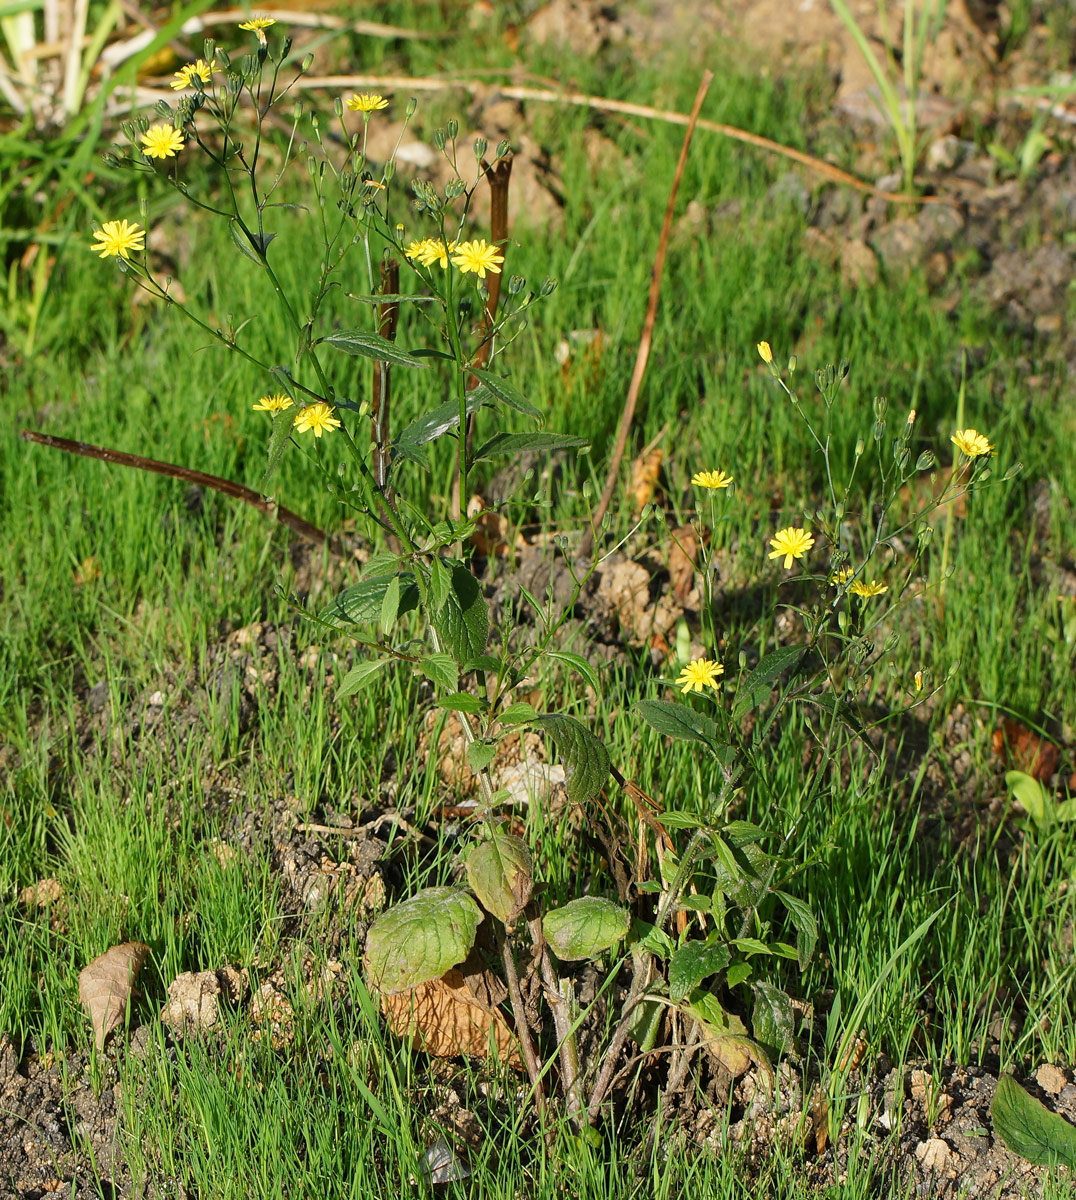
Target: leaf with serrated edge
(463, 621)
(419, 940)
(584, 928)
(1028, 1127)
(678, 721)
(527, 443)
(360, 675)
(507, 393)
(501, 874)
(586, 760)
(693, 963)
(758, 685)
(441, 671)
(771, 1018)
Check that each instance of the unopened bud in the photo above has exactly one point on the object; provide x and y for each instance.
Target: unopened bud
(881, 407)
(338, 106)
(925, 461)
(480, 145)
(452, 128)
(409, 112)
(860, 447)
(307, 63)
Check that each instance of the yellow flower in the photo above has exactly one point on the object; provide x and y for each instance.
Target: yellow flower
(258, 25)
(200, 69)
(790, 543)
(317, 417)
(919, 681)
(866, 590)
(365, 102)
(118, 237)
(764, 352)
(430, 251)
(162, 141)
(273, 404)
(711, 479)
(413, 249)
(700, 673)
(477, 258)
(972, 443)
(841, 576)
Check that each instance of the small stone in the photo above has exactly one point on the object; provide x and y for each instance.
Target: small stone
(192, 1001)
(933, 1155)
(156, 700)
(1051, 1079)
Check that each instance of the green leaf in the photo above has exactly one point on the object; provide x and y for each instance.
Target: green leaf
(360, 675)
(750, 945)
(278, 439)
(1032, 795)
(644, 1023)
(737, 973)
(441, 671)
(507, 393)
(463, 620)
(361, 603)
(693, 963)
(806, 927)
(440, 583)
(771, 1018)
(586, 760)
(1029, 1128)
(578, 663)
(390, 605)
(527, 443)
(464, 702)
(246, 246)
(758, 685)
(677, 720)
(585, 927)
(389, 298)
(501, 874)
(517, 714)
(429, 427)
(741, 872)
(370, 345)
(480, 755)
(420, 939)
(650, 938)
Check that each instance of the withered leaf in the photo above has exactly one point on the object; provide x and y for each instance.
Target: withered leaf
(644, 477)
(445, 1018)
(1018, 747)
(105, 985)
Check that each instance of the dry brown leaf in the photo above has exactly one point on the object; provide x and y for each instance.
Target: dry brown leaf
(644, 477)
(1025, 751)
(37, 895)
(445, 1018)
(105, 985)
(87, 571)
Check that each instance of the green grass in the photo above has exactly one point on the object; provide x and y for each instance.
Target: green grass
(126, 818)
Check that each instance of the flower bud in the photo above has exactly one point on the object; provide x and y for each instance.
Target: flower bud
(452, 128)
(925, 461)
(409, 112)
(439, 139)
(860, 447)
(879, 430)
(765, 352)
(338, 106)
(307, 63)
(549, 286)
(504, 146)
(480, 145)
(881, 407)
(516, 284)
(1013, 471)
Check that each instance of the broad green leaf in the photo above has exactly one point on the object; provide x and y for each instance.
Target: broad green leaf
(585, 927)
(705, 1007)
(679, 721)
(1029, 1128)
(390, 605)
(527, 443)
(441, 671)
(430, 427)
(440, 583)
(578, 663)
(693, 963)
(360, 675)
(644, 1023)
(750, 945)
(464, 702)
(1032, 795)
(586, 760)
(500, 871)
(758, 685)
(806, 927)
(1065, 811)
(737, 973)
(463, 620)
(743, 833)
(420, 939)
(771, 1018)
(507, 393)
(741, 872)
(370, 345)
(361, 603)
(650, 938)
(725, 1036)
(480, 755)
(517, 714)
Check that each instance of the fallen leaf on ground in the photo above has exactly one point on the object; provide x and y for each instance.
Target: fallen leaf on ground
(105, 985)
(445, 1018)
(1018, 747)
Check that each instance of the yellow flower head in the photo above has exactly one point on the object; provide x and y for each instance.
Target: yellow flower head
(972, 443)
(764, 352)
(700, 673)
(195, 70)
(477, 258)
(841, 576)
(258, 25)
(711, 479)
(317, 417)
(119, 238)
(919, 681)
(273, 404)
(790, 543)
(162, 141)
(413, 249)
(430, 251)
(365, 102)
(865, 590)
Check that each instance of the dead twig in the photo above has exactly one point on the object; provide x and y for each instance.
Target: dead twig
(643, 354)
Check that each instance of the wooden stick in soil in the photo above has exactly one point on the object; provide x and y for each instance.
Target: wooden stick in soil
(388, 314)
(519, 1011)
(236, 490)
(643, 354)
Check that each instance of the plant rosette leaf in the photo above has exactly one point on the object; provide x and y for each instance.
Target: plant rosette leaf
(1032, 796)
(421, 939)
(584, 928)
(501, 874)
(1029, 1128)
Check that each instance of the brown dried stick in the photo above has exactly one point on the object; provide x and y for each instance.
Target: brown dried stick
(381, 394)
(236, 490)
(645, 339)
